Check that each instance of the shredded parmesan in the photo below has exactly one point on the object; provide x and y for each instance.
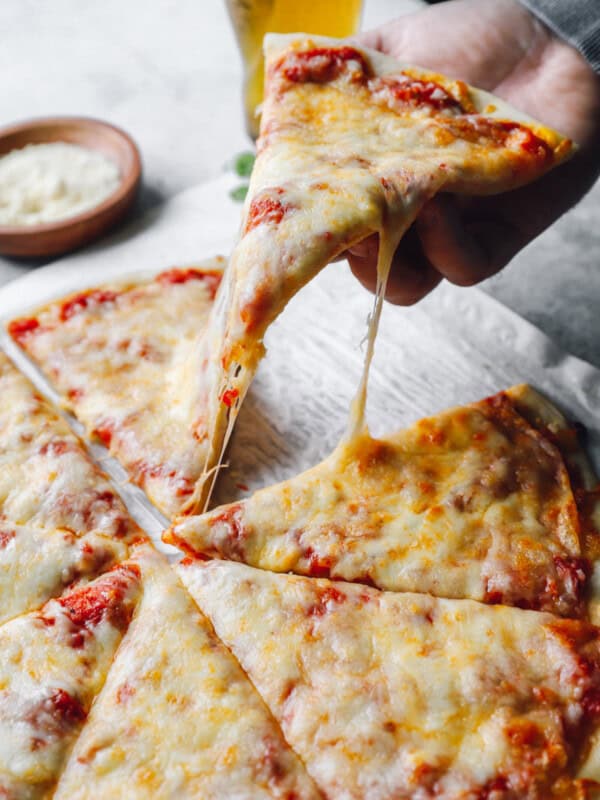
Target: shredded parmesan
(47, 182)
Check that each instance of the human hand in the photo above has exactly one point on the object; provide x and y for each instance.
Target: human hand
(499, 46)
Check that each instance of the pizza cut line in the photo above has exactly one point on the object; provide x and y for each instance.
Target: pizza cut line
(124, 358)
(399, 695)
(54, 662)
(61, 520)
(475, 503)
(177, 716)
(352, 143)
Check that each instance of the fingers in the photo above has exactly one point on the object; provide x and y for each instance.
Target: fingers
(463, 248)
(466, 240)
(464, 245)
(411, 275)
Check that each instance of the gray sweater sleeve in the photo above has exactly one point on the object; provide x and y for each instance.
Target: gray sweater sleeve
(575, 21)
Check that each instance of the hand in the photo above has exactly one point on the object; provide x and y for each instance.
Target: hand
(499, 46)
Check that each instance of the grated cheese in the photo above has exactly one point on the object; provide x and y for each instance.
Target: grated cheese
(46, 182)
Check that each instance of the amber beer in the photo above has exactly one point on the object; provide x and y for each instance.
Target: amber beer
(253, 18)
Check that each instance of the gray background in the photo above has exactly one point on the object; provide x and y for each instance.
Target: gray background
(168, 72)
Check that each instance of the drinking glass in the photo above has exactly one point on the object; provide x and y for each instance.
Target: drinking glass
(251, 19)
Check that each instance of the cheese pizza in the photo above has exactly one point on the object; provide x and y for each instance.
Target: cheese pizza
(54, 662)
(60, 518)
(472, 503)
(351, 143)
(125, 359)
(397, 695)
(177, 716)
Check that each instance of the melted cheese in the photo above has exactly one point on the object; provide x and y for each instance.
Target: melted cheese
(178, 717)
(338, 161)
(389, 695)
(60, 517)
(53, 664)
(473, 503)
(125, 359)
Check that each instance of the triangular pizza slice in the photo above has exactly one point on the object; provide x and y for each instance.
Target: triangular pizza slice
(352, 143)
(60, 518)
(472, 503)
(124, 358)
(394, 695)
(177, 716)
(54, 662)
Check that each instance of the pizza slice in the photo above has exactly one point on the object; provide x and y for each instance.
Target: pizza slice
(177, 716)
(124, 358)
(567, 438)
(60, 518)
(54, 662)
(352, 143)
(474, 503)
(395, 695)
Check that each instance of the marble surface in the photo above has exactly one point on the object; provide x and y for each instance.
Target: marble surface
(168, 72)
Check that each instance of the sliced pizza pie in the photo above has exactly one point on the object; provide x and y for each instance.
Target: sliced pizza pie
(54, 662)
(473, 503)
(396, 695)
(60, 518)
(125, 359)
(352, 143)
(177, 716)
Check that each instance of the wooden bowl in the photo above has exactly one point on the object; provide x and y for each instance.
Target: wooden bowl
(60, 236)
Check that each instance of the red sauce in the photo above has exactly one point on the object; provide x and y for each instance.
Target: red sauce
(211, 278)
(492, 789)
(412, 92)
(52, 715)
(88, 605)
(5, 538)
(105, 433)
(573, 573)
(142, 470)
(325, 598)
(236, 532)
(229, 397)
(67, 707)
(185, 488)
(264, 209)
(524, 733)
(271, 762)
(56, 448)
(322, 64)
(499, 133)
(254, 312)
(318, 567)
(583, 641)
(20, 329)
(83, 300)
(591, 702)
(494, 597)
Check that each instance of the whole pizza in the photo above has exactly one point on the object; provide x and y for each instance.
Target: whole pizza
(412, 618)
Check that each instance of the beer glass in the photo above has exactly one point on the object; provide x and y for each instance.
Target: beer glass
(251, 19)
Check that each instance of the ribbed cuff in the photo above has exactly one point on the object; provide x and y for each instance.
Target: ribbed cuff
(575, 21)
